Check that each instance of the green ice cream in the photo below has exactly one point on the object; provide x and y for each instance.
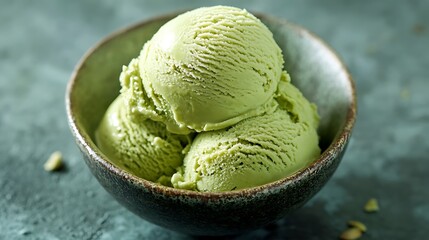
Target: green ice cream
(255, 151)
(207, 69)
(217, 74)
(144, 148)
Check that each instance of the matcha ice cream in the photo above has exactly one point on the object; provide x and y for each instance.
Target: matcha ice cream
(144, 148)
(207, 106)
(255, 151)
(205, 70)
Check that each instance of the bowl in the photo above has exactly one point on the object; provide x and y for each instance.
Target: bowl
(315, 69)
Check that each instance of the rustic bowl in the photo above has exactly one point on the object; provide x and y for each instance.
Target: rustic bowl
(315, 70)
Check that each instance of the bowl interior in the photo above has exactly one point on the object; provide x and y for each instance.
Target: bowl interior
(96, 81)
(318, 72)
(313, 67)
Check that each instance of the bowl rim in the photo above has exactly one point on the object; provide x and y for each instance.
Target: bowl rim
(87, 145)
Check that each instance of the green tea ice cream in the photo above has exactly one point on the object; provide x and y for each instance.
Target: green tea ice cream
(144, 148)
(255, 151)
(205, 70)
(207, 106)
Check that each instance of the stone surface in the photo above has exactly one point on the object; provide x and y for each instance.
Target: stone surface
(384, 45)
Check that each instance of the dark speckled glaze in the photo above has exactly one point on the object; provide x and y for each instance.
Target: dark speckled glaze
(314, 68)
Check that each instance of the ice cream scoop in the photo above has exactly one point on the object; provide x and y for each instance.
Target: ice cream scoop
(144, 148)
(255, 151)
(206, 69)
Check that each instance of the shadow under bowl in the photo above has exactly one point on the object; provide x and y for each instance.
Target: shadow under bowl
(315, 70)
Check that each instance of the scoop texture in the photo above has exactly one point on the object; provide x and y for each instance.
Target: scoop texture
(207, 106)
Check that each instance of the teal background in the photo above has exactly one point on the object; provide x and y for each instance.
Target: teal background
(385, 45)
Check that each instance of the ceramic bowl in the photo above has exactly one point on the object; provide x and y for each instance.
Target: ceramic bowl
(315, 69)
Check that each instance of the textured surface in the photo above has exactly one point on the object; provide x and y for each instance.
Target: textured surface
(384, 46)
(198, 60)
(257, 150)
(144, 148)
